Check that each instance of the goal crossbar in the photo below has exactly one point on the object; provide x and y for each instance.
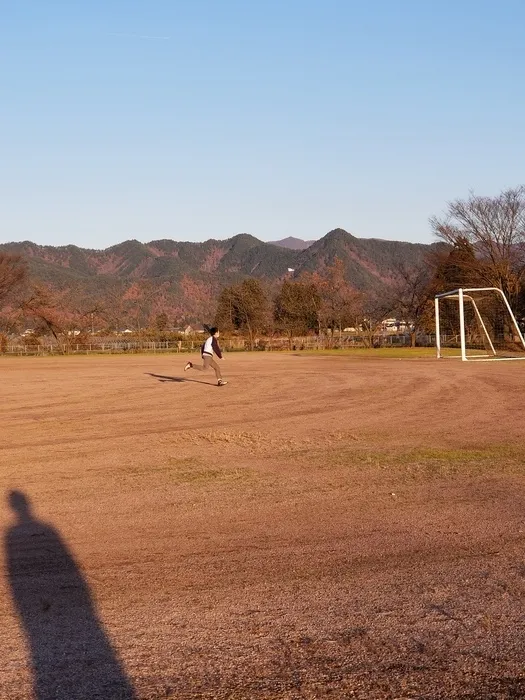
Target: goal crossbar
(467, 294)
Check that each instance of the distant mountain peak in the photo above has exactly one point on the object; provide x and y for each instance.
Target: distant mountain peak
(338, 234)
(244, 237)
(130, 244)
(242, 242)
(293, 243)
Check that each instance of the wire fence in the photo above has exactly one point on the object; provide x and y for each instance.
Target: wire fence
(111, 346)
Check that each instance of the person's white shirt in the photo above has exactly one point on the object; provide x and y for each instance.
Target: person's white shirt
(208, 346)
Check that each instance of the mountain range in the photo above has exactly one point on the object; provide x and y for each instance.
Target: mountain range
(190, 275)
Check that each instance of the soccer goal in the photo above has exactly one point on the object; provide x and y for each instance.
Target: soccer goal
(477, 324)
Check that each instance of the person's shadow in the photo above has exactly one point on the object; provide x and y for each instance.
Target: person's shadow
(71, 655)
(180, 380)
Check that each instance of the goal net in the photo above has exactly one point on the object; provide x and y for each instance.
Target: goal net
(477, 324)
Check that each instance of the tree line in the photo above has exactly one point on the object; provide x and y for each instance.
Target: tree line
(485, 247)
(484, 241)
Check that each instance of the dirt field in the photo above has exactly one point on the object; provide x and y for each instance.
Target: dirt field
(320, 527)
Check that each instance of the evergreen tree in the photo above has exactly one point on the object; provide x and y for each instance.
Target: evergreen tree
(458, 268)
(243, 307)
(296, 308)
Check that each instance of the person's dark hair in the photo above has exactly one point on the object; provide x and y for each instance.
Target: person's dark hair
(213, 330)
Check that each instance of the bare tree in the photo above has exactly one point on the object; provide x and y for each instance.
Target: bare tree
(495, 227)
(411, 293)
(374, 308)
(340, 302)
(140, 296)
(13, 272)
(115, 306)
(49, 308)
(44, 306)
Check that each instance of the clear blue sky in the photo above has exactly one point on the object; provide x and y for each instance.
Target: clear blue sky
(273, 117)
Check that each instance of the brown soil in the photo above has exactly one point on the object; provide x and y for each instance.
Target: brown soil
(320, 527)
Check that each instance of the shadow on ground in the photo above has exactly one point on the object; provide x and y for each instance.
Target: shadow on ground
(71, 655)
(180, 380)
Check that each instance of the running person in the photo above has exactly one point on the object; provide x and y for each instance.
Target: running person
(209, 347)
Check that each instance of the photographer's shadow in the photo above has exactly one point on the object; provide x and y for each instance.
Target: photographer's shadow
(71, 654)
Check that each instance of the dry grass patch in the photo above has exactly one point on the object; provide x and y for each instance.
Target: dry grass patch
(422, 463)
(260, 443)
(195, 471)
(188, 470)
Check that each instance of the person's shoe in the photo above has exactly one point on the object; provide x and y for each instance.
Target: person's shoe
(222, 382)
(189, 365)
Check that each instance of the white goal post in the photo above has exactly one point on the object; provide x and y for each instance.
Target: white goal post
(477, 324)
